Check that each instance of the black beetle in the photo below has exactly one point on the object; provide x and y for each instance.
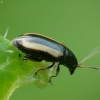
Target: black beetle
(38, 47)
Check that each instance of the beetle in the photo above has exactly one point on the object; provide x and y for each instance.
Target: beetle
(38, 47)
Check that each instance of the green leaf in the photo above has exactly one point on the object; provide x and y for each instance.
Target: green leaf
(16, 72)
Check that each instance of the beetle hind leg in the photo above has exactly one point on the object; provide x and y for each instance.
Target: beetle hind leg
(44, 69)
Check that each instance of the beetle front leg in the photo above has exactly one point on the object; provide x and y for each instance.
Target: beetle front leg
(57, 72)
(44, 69)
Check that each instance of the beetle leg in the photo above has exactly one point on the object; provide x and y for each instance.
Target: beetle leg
(44, 68)
(19, 55)
(57, 72)
(32, 57)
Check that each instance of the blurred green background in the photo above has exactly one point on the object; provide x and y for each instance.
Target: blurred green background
(76, 23)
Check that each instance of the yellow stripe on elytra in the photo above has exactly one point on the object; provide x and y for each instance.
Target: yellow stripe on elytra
(40, 47)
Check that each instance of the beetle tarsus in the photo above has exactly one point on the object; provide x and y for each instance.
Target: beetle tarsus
(50, 81)
(35, 74)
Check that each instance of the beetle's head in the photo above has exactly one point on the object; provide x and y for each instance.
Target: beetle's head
(70, 61)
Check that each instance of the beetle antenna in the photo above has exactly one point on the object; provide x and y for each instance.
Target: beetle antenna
(91, 54)
(97, 68)
(6, 33)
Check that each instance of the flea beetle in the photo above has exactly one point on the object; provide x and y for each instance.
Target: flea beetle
(38, 47)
